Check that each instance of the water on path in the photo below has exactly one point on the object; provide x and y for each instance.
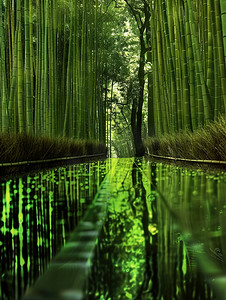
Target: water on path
(164, 235)
(37, 214)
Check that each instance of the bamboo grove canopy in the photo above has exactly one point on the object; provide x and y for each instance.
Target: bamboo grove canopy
(188, 81)
(52, 64)
(50, 70)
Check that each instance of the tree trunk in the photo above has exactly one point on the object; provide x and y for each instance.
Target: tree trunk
(138, 143)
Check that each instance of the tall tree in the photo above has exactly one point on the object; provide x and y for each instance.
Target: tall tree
(141, 13)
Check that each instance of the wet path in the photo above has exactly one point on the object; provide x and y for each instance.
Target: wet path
(164, 235)
(37, 214)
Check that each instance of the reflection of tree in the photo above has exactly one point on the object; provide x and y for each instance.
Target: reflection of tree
(117, 259)
(141, 236)
(154, 255)
(140, 193)
(121, 259)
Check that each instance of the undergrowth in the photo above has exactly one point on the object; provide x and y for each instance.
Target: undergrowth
(208, 143)
(23, 147)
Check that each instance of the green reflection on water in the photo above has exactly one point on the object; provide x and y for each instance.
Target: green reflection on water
(149, 251)
(143, 252)
(36, 216)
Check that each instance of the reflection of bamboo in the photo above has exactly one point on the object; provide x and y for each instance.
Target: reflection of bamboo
(154, 254)
(195, 251)
(21, 240)
(222, 223)
(141, 193)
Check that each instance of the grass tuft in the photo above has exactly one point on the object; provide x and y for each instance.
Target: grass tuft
(208, 143)
(24, 147)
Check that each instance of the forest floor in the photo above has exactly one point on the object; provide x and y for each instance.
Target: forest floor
(208, 143)
(23, 147)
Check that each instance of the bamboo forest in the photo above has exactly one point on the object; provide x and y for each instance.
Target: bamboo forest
(113, 149)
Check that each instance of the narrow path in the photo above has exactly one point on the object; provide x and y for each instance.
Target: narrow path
(67, 274)
(137, 214)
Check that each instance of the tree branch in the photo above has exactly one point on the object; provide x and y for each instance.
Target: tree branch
(136, 15)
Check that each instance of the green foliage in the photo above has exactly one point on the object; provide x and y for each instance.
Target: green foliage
(23, 147)
(125, 81)
(189, 72)
(87, 69)
(208, 143)
(50, 68)
(120, 50)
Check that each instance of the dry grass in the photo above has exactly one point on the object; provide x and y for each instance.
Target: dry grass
(23, 147)
(208, 143)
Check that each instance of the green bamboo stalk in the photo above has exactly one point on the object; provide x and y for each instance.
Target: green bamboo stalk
(20, 89)
(68, 87)
(97, 97)
(78, 78)
(171, 29)
(223, 20)
(28, 67)
(217, 79)
(101, 121)
(74, 88)
(170, 48)
(186, 112)
(220, 48)
(210, 52)
(45, 67)
(204, 34)
(83, 70)
(90, 71)
(178, 66)
(3, 93)
(13, 86)
(161, 97)
(38, 71)
(62, 70)
(217, 85)
(156, 92)
(11, 31)
(165, 82)
(54, 75)
(74, 73)
(171, 54)
(208, 112)
(51, 59)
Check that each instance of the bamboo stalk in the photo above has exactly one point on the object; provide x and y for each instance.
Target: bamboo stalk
(28, 67)
(20, 71)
